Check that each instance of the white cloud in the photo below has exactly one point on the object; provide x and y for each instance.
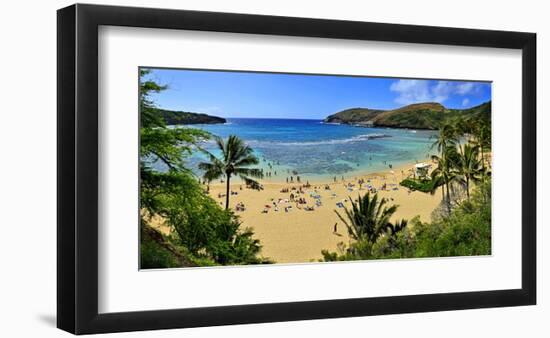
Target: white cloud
(442, 90)
(414, 91)
(466, 88)
(465, 102)
(411, 91)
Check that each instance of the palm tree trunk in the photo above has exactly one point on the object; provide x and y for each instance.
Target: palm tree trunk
(482, 160)
(448, 198)
(227, 191)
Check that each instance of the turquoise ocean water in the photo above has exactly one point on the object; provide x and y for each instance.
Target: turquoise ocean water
(318, 151)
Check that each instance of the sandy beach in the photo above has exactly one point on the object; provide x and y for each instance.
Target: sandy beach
(317, 150)
(297, 235)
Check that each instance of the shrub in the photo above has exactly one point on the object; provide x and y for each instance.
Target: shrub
(465, 232)
(423, 185)
(153, 256)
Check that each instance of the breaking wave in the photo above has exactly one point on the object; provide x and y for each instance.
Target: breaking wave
(354, 139)
(358, 138)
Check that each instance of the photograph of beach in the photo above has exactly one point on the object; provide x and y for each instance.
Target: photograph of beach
(240, 168)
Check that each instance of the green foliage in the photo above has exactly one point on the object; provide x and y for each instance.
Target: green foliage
(423, 185)
(200, 225)
(171, 117)
(354, 115)
(460, 164)
(154, 256)
(468, 166)
(421, 119)
(465, 232)
(446, 139)
(465, 228)
(203, 234)
(368, 222)
(445, 174)
(368, 218)
(148, 116)
(477, 114)
(236, 157)
(170, 146)
(427, 115)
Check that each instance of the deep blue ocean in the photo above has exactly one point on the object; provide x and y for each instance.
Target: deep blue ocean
(315, 150)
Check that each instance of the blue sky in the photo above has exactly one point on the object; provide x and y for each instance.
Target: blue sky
(264, 95)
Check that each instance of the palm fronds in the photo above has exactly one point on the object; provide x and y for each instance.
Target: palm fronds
(235, 159)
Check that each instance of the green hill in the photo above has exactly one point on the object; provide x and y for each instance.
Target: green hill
(428, 115)
(172, 117)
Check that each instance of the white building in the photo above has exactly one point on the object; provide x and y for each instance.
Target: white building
(422, 169)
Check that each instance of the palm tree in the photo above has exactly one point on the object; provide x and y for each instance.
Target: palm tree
(468, 165)
(236, 157)
(397, 226)
(482, 139)
(446, 142)
(446, 138)
(470, 125)
(369, 218)
(437, 181)
(444, 174)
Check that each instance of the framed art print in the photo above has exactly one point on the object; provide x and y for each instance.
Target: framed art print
(220, 169)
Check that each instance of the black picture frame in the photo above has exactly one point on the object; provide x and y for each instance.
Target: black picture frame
(77, 173)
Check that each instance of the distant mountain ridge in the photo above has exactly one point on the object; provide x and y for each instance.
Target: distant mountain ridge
(172, 117)
(427, 115)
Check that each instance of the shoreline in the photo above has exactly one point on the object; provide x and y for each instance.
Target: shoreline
(327, 179)
(360, 125)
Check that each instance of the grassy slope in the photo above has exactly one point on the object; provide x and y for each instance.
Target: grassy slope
(180, 117)
(427, 115)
